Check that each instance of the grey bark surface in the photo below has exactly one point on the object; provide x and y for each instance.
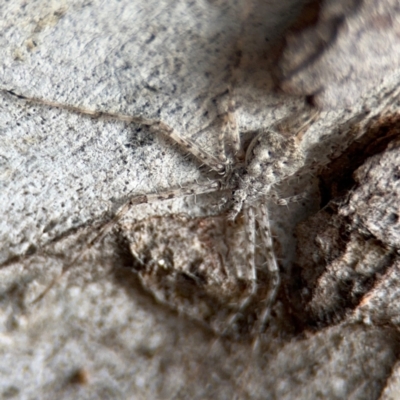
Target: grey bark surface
(98, 333)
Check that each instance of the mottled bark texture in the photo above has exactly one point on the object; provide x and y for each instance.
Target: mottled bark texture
(98, 333)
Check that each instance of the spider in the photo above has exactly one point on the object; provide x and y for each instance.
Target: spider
(220, 269)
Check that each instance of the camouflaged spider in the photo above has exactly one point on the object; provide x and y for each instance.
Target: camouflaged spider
(234, 277)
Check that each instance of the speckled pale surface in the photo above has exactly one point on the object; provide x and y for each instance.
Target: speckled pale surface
(97, 334)
(163, 60)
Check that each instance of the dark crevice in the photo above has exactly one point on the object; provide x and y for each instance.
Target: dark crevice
(337, 179)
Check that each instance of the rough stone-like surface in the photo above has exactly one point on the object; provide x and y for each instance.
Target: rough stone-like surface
(341, 50)
(97, 333)
(354, 259)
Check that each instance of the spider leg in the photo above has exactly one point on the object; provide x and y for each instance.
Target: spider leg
(155, 126)
(273, 270)
(284, 202)
(251, 251)
(105, 228)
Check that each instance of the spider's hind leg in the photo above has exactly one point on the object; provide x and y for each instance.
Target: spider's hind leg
(256, 294)
(249, 273)
(272, 269)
